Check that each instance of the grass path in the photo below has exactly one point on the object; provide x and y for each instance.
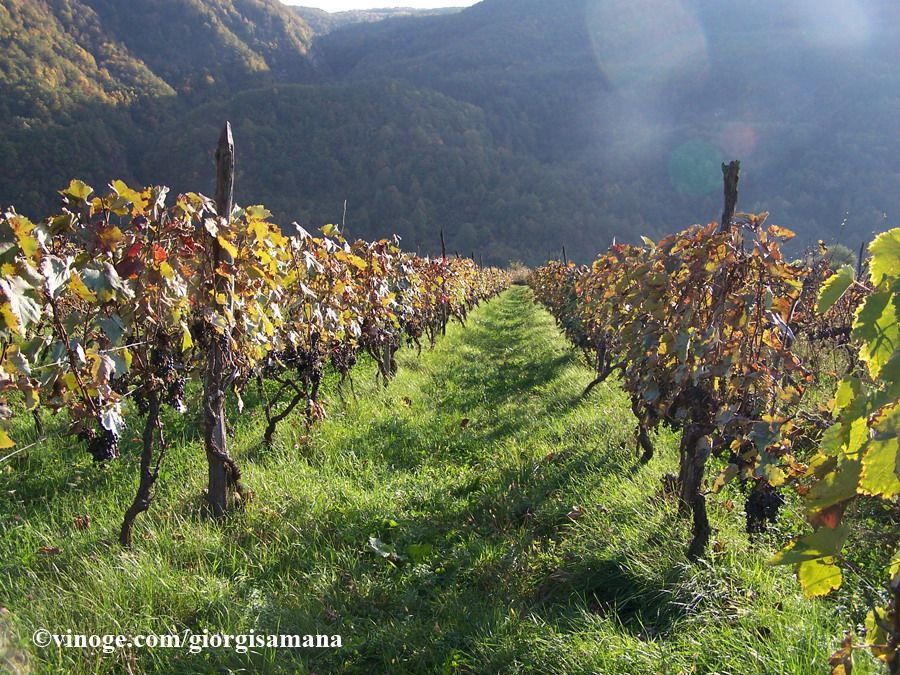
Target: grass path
(524, 537)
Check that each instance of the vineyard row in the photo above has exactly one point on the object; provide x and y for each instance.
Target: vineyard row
(713, 333)
(124, 296)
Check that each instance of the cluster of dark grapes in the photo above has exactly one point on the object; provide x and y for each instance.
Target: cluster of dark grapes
(840, 334)
(170, 369)
(204, 336)
(119, 385)
(343, 358)
(304, 362)
(762, 507)
(101, 443)
(413, 329)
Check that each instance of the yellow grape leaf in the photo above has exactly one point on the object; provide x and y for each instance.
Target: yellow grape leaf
(879, 469)
(357, 262)
(186, 340)
(221, 299)
(5, 441)
(781, 232)
(78, 190)
(12, 322)
(228, 246)
(70, 381)
(725, 477)
(259, 229)
(125, 192)
(111, 237)
(22, 228)
(165, 269)
(257, 213)
(847, 391)
(127, 357)
(894, 569)
(819, 577)
(328, 230)
(856, 438)
(267, 326)
(876, 635)
(76, 285)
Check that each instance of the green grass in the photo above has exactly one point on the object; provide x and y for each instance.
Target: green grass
(474, 456)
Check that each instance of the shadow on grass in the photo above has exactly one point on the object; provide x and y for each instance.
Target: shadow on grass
(607, 587)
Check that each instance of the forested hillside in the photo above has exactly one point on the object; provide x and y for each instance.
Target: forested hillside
(517, 126)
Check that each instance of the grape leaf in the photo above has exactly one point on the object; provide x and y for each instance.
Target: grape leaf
(56, 273)
(885, 250)
(879, 469)
(78, 190)
(823, 543)
(877, 328)
(22, 308)
(819, 577)
(5, 441)
(834, 288)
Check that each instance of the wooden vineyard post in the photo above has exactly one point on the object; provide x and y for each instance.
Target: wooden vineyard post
(445, 305)
(696, 445)
(221, 468)
(732, 173)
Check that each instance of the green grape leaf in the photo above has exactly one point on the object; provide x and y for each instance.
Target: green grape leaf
(877, 328)
(847, 391)
(879, 469)
(885, 252)
(835, 487)
(56, 274)
(823, 543)
(113, 328)
(834, 288)
(419, 553)
(819, 577)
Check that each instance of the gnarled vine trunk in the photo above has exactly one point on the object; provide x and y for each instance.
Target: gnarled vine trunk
(694, 452)
(149, 473)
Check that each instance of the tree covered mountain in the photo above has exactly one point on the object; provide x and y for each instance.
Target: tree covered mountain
(517, 126)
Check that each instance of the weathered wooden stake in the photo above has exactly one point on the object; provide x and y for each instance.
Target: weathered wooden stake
(215, 429)
(732, 174)
(860, 260)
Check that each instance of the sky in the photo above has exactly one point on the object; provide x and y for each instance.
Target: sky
(342, 5)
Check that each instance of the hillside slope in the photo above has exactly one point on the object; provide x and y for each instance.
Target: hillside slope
(587, 120)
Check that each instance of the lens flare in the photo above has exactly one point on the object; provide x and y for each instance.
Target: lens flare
(695, 168)
(647, 43)
(737, 139)
(834, 23)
